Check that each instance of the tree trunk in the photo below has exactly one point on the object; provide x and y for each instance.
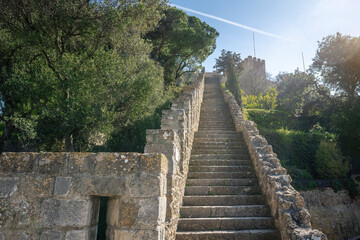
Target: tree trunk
(68, 143)
(8, 129)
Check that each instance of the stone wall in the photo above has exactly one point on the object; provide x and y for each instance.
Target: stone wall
(175, 139)
(286, 204)
(335, 214)
(55, 196)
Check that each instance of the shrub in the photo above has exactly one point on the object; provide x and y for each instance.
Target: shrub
(330, 162)
(336, 185)
(350, 185)
(268, 100)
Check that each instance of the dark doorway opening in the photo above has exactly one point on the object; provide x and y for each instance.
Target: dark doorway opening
(101, 231)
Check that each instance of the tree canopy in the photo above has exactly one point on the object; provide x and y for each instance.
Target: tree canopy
(337, 63)
(181, 43)
(74, 74)
(227, 62)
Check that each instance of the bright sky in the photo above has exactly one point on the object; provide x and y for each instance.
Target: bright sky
(283, 28)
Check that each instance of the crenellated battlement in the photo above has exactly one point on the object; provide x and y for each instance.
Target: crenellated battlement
(254, 63)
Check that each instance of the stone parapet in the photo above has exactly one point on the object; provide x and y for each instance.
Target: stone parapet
(57, 195)
(175, 140)
(286, 204)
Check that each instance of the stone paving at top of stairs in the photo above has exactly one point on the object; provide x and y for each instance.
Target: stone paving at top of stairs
(222, 197)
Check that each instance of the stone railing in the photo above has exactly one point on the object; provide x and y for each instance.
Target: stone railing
(56, 196)
(286, 204)
(174, 140)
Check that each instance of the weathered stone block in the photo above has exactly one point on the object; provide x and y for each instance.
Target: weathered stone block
(52, 235)
(136, 213)
(21, 235)
(53, 162)
(18, 162)
(122, 212)
(74, 213)
(157, 234)
(34, 186)
(117, 163)
(155, 163)
(62, 185)
(145, 185)
(18, 213)
(82, 162)
(152, 212)
(8, 186)
(77, 235)
(101, 185)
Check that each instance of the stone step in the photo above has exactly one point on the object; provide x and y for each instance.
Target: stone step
(225, 140)
(207, 175)
(220, 168)
(220, 156)
(223, 200)
(221, 190)
(218, 138)
(219, 162)
(223, 134)
(219, 117)
(222, 182)
(225, 211)
(216, 125)
(214, 106)
(214, 110)
(208, 115)
(219, 151)
(258, 234)
(220, 147)
(214, 142)
(206, 129)
(225, 223)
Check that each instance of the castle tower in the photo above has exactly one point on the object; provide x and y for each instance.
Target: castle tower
(252, 78)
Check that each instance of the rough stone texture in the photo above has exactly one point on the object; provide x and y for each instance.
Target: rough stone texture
(175, 140)
(8, 186)
(76, 234)
(52, 235)
(335, 214)
(56, 195)
(62, 185)
(287, 205)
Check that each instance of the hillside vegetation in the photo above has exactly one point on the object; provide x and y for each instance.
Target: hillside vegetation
(92, 75)
(312, 119)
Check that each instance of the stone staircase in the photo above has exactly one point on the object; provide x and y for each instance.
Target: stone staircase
(222, 197)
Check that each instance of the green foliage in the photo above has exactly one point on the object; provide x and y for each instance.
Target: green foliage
(227, 62)
(330, 163)
(233, 85)
(267, 101)
(297, 94)
(295, 149)
(350, 185)
(71, 70)
(336, 185)
(329, 137)
(181, 43)
(337, 61)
